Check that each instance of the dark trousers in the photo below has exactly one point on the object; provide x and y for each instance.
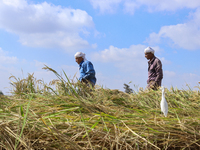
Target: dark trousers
(88, 83)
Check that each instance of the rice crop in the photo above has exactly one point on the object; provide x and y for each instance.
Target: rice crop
(68, 115)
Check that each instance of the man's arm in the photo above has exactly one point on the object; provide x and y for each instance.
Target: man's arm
(159, 71)
(90, 72)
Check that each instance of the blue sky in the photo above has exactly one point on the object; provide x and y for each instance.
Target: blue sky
(112, 33)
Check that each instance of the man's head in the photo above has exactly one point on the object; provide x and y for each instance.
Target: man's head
(79, 57)
(149, 53)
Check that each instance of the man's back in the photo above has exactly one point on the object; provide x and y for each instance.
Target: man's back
(87, 71)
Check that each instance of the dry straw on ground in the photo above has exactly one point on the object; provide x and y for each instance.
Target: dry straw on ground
(68, 115)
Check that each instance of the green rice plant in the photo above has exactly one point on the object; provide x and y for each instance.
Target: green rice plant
(86, 129)
(24, 119)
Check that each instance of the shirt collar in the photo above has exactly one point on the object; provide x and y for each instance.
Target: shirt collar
(81, 64)
(151, 61)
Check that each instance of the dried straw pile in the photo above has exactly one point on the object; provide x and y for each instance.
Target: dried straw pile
(71, 116)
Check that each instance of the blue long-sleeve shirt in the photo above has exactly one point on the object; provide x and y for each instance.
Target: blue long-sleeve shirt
(87, 71)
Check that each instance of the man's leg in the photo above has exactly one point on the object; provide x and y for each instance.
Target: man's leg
(152, 85)
(88, 83)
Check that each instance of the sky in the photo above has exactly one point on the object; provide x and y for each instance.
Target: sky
(112, 33)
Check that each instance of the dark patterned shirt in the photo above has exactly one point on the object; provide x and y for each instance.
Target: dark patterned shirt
(155, 72)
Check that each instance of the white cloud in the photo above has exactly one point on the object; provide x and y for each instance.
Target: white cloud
(131, 55)
(15, 3)
(117, 54)
(164, 61)
(189, 33)
(46, 25)
(130, 6)
(130, 59)
(151, 5)
(123, 58)
(169, 73)
(184, 35)
(4, 59)
(169, 5)
(191, 78)
(106, 5)
(180, 80)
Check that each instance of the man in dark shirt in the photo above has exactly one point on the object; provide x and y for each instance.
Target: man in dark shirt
(155, 72)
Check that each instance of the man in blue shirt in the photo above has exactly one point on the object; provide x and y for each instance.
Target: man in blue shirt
(86, 69)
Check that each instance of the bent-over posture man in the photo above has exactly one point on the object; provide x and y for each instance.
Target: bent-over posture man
(86, 69)
(155, 72)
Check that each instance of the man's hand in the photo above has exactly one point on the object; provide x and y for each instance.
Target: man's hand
(83, 80)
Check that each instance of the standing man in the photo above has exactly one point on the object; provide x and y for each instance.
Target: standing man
(86, 69)
(155, 72)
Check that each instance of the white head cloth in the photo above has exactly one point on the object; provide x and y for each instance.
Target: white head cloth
(80, 54)
(149, 50)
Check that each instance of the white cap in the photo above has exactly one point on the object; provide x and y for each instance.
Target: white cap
(149, 50)
(80, 54)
